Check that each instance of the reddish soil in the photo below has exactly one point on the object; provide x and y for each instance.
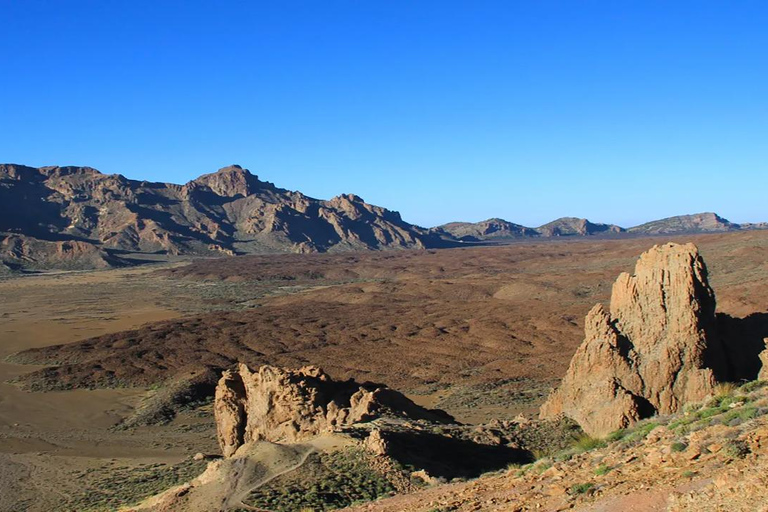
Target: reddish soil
(485, 324)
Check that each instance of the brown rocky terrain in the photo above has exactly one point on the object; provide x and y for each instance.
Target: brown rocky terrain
(482, 333)
(424, 322)
(712, 458)
(655, 352)
(272, 420)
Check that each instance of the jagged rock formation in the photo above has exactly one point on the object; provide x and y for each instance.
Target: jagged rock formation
(281, 405)
(654, 351)
(64, 217)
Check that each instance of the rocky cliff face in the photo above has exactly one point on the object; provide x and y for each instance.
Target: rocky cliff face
(102, 217)
(281, 405)
(654, 351)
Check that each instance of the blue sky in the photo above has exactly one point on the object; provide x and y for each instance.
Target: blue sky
(618, 111)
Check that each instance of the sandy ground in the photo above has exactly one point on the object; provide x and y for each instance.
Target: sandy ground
(44, 310)
(46, 438)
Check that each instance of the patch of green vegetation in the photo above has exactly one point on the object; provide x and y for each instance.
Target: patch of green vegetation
(523, 470)
(542, 466)
(679, 446)
(617, 435)
(639, 432)
(602, 469)
(725, 389)
(327, 481)
(581, 488)
(754, 385)
(587, 443)
(742, 413)
(110, 488)
(689, 474)
(736, 449)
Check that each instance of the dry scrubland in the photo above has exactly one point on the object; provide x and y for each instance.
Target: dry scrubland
(483, 333)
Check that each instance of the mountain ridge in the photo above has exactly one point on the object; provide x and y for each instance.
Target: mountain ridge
(43, 211)
(705, 222)
(70, 217)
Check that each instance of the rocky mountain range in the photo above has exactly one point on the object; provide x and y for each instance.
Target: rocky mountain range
(77, 217)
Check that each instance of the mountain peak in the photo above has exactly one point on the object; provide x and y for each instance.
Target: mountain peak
(230, 181)
(567, 226)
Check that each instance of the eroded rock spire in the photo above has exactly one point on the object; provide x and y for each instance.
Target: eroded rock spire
(654, 351)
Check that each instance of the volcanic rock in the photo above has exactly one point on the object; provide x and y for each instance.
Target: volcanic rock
(654, 351)
(281, 405)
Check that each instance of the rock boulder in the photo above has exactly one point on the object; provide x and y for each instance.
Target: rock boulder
(281, 405)
(654, 351)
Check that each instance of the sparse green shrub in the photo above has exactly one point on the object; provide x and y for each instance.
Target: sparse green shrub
(542, 466)
(581, 488)
(736, 449)
(640, 432)
(587, 443)
(331, 480)
(602, 469)
(679, 446)
(617, 435)
(754, 385)
(709, 412)
(725, 389)
(689, 474)
(741, 413)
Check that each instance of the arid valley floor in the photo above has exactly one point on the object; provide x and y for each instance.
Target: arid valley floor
(483, 333)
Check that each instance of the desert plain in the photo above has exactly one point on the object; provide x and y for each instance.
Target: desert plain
(481, 332)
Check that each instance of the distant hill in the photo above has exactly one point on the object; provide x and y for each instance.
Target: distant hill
(570, 226)
(77, 217)
(697, 223)
(486, 230)
(500, 229)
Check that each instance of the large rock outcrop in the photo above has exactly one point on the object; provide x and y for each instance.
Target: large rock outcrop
(654, 351)
(281, 405)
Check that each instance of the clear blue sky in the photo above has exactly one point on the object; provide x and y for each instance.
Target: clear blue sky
(619, 111)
